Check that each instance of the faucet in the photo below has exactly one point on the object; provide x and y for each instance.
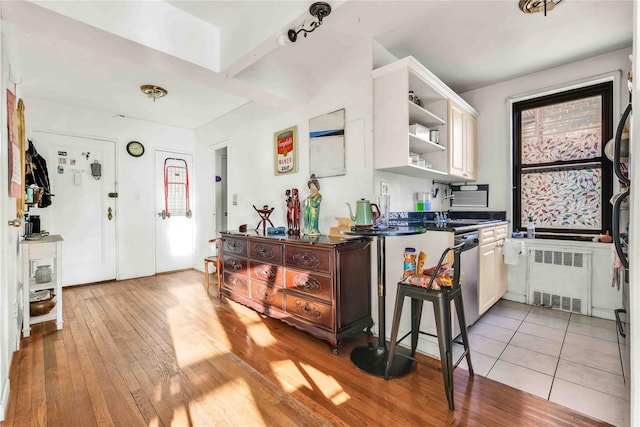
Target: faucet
(443, 215)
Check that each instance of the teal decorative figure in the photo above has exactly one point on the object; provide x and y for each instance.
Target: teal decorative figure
(312, 207)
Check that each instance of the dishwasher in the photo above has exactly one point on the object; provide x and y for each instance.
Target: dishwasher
(468, 278)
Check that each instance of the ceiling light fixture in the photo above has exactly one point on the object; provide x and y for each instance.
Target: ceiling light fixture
(153, 91)
(318, 9)
(534, 6)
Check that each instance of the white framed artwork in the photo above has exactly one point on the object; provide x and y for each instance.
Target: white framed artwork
(326, 145)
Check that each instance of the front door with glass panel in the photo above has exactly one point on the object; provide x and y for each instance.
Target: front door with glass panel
(174, 226)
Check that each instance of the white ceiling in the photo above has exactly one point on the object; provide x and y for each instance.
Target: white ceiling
(468, 44)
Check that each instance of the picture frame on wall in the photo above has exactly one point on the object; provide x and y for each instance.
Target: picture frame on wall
(286, 151)
(327, 144)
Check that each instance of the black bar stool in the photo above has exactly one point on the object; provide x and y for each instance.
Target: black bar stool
(441, 300)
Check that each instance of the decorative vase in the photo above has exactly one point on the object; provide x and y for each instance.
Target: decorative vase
(43, 274)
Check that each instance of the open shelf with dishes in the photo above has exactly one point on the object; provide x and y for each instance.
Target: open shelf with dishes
(406, 96)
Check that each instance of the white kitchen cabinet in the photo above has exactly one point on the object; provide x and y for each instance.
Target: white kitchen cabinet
(492, 271)
(34, 253)
(394, 112)
(462, 128)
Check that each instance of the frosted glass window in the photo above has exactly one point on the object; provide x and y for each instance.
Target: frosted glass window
(563, 199)
(561, 177)
(564, 131)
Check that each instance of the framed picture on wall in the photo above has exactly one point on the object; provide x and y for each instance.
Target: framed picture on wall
(326, 145)
(286, 151)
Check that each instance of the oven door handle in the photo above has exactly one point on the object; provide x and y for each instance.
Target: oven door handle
(616, 153)
(617, 241)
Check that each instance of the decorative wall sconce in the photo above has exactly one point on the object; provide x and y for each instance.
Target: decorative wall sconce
(319, 10)
(534, 6)
(153, 91)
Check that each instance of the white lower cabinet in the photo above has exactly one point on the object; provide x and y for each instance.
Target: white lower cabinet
(41, 271)
(492, 274)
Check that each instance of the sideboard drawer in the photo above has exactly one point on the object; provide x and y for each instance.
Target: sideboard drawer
(234, 246)
(237, 283)
(234, 264)
(267, 273)
(316, 312)
(266, 293)
(310, 284)
(267, 252)
(313, 259)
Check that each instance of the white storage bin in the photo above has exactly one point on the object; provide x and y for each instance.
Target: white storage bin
(419, 131)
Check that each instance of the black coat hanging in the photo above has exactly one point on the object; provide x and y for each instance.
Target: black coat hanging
(39, 175)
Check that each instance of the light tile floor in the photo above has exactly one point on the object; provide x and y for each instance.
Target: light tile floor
(566, 358)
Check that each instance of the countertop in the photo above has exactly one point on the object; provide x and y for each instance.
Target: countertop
(458, 226)
(458, 221)
(305, 239)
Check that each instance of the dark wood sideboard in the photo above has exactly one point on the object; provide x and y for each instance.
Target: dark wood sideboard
(321, 285)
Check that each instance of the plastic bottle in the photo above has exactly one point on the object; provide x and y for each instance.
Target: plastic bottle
(410, 257)
(531, 228)
(427, 202)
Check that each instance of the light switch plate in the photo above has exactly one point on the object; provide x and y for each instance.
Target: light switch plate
(384, 187)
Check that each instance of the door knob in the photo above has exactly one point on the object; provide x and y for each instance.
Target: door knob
(15, 222)
(109, 213)
(162, 214)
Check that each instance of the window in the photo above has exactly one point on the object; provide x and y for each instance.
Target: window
(561, 176)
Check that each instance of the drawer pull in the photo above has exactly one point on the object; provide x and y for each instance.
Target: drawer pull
(305, 309)
(235, 282)
(235, 246)
(266, 272)
(306, 259)
(306, 284)
(265, 295)
(264, 252)
(235, 264)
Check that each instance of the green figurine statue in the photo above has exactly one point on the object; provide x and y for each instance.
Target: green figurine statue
(312, 207)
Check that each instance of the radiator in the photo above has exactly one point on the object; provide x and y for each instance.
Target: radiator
(560, 279)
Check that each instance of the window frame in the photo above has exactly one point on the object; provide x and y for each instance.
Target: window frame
(605, 90)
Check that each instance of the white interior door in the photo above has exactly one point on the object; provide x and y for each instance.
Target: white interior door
(174, 226)
(81, 210)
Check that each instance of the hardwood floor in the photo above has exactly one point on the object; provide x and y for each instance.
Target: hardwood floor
(158, 351)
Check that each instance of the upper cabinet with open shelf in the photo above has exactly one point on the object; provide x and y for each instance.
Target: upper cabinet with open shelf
(394, 112)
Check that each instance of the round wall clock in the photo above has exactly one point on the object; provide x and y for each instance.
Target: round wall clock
(135, 148)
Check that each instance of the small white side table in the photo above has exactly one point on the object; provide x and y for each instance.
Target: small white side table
(44, 251)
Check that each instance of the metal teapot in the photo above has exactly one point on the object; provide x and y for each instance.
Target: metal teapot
(364, 214)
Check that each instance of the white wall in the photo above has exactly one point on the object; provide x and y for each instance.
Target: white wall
(251, 150)
(8, 249)
(136, 212)
(605, 298)
(494, 139)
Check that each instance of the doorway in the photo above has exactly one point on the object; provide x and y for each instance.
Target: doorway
(174, 223)
(82, 175)
(220, 190)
